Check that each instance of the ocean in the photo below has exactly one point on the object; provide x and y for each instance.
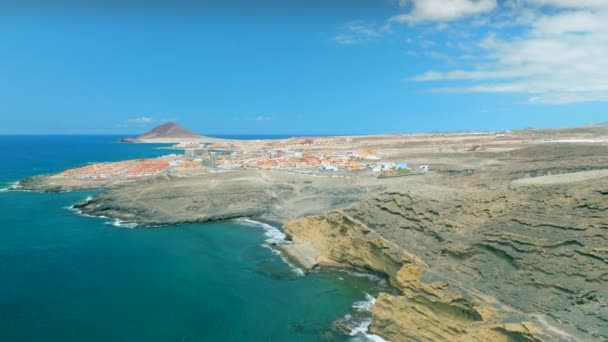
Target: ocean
(66, 277)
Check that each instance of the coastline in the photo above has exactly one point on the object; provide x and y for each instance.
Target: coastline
(15, 186)
(490, 245)
(276, 240)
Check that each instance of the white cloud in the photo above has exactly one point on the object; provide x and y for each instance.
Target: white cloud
(559, 58)
(421, 11)
(571, 3)
(262, 118)
(142, 120)
(357, 31)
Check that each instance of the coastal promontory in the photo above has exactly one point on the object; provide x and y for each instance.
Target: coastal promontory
(482, 236)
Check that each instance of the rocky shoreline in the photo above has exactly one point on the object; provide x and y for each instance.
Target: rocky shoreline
(485, 255)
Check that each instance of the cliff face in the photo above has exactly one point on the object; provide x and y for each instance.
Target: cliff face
(275, 196)
(476, 249)
(523, 264)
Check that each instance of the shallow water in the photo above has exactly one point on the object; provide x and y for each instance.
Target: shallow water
(66, 277)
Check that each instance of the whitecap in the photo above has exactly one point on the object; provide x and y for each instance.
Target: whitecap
(14, 187)
(358, 323)
(274, 237)
(360, 329)
(365, 305)
(280, 254)
(79, 212)
(123, 224)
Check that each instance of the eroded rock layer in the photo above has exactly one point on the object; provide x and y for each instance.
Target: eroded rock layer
(529, 263)
(507, 244)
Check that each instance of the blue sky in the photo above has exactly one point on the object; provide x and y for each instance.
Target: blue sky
(341, 67)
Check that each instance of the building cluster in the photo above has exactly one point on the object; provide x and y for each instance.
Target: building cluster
(303, 154)
(131, 168)
(349, 161)
(287, 160)
(398, 168)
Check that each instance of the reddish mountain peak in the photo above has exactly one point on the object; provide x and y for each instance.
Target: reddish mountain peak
(168, 130)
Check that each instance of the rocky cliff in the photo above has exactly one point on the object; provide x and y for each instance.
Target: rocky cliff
(275, 196)
(524, 264)
(489, 246)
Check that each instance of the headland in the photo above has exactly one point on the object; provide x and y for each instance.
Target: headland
(485, 236)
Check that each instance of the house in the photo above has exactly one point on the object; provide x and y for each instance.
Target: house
(388, 166)
(328, 167)
(402, 166)
(383, 167)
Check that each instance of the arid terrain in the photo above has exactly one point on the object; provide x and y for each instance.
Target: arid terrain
(504, 239)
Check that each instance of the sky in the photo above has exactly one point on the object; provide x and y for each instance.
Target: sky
(302, 67)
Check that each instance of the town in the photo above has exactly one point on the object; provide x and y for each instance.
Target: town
(324, 156)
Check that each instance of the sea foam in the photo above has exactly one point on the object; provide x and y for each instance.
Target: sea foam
(116, 222)
(274, 237)
(122, 224)
(14, 187)
(365, 305)
(80, 213)
(359, 321)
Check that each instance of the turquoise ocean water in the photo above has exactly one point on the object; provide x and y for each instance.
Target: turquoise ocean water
(65, 277)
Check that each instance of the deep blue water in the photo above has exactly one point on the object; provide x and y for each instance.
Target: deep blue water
(65, 277)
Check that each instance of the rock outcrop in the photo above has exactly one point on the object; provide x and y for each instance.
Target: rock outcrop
(504, 245)
(524, 264)
(267, 195)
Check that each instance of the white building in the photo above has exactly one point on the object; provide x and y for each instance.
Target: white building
(328, 167)
(424, 168)
(383, 167)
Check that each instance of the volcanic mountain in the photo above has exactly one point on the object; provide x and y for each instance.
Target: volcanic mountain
(168, 132)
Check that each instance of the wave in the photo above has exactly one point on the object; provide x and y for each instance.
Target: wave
(14, 187)
(275, 237)
(374, 278)
(365, 305)
(280, 254)
(359, 321)
(79, 212)
(123, 224)
(115, 222)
